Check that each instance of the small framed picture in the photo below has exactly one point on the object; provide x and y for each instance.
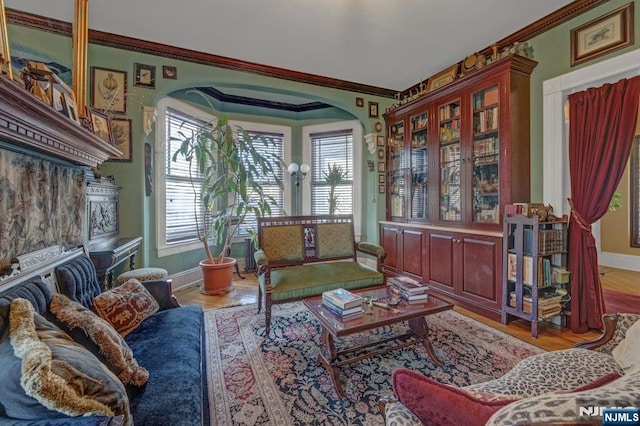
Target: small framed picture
(381, 178)
(381, 166)
(380, 189)
(169, 72)
(373, 109)
(144, 75)
(360, 102)
(108, 90)
(69, 107)
(380, 153)
(602, 35)
(101, 125)
(121, 129)
(380, 141)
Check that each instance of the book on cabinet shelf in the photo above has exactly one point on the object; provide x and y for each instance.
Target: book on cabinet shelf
(341, 298)
(543, 267)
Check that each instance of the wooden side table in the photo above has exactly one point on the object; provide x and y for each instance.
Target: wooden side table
(108, 255)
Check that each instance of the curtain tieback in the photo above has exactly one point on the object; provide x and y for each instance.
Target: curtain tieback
(578, 219)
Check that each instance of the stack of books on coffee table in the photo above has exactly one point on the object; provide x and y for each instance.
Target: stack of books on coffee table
(343, 303)
(409, 289)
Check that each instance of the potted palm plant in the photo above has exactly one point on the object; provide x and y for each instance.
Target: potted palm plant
(334, 177)
(230, 164)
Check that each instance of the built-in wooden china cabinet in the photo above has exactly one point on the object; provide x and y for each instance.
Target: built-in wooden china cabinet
(455, 157)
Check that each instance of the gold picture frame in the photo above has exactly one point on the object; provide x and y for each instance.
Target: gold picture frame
(610, 32)
(442, 78)
(5, 60)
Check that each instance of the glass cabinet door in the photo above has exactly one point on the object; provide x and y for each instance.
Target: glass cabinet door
(486, 150)
(449, 143)
(418, 167)
(396, 169)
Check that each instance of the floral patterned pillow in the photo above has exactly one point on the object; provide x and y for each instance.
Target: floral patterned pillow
(125, 307)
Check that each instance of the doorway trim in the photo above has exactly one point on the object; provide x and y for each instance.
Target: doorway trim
(555, 145)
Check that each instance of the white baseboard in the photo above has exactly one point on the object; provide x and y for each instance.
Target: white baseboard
(186, 278)
(620, 261)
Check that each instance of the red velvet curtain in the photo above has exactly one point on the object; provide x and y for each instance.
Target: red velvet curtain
(601, 130)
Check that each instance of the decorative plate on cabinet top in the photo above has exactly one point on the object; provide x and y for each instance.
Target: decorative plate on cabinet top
(469, 63)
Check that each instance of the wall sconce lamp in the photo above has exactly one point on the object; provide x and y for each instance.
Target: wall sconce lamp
(298, 173)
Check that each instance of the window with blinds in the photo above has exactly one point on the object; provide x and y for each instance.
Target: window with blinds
(181, 198)
(274, 146)
(329, 149)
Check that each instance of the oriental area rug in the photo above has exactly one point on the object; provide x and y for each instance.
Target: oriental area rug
(276, 381)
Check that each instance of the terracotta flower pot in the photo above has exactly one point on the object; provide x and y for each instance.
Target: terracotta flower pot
(217, 278)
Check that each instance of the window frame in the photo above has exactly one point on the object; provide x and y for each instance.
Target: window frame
(358, 185)
(256, 127)
(163, 249)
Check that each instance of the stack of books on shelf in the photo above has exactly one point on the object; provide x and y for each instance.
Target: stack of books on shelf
(343, 303)
(549, 303)
(409, 289)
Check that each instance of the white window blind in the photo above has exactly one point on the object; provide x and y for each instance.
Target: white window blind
(274, 146)
(328, 149)
(179, 194)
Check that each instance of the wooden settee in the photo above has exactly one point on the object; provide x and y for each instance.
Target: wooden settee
(304, 256)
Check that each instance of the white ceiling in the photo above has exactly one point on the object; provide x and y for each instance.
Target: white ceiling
(392, 44)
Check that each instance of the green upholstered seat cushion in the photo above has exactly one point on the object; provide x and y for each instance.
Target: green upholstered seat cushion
(313, 279)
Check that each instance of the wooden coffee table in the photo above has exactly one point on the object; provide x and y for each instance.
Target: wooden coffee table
(333, 327)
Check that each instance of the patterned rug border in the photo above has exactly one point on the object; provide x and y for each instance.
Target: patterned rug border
(241, 364)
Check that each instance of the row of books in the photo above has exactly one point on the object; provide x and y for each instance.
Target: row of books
(448, 112)
(486, 120)
(548, 305)
(543, 270)
(486, 98)
(550, 241)
(343, 303)
(409, 289)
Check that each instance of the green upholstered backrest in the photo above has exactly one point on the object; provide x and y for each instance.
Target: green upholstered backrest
(282, 243)
(334, 240)
(303, 239)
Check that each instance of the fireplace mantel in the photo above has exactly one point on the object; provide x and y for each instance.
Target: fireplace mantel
(30, 123)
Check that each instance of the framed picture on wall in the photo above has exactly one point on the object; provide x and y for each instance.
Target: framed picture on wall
(101, 125)
(373, 109)
(108, 90)
(144, 75)
(610, 32)
(121, 129)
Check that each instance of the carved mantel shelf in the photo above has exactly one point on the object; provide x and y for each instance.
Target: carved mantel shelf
(28, 122)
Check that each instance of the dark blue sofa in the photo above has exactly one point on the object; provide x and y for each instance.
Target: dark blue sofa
(169, 344)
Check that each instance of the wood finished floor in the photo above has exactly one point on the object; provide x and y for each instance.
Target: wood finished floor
(550, 336)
